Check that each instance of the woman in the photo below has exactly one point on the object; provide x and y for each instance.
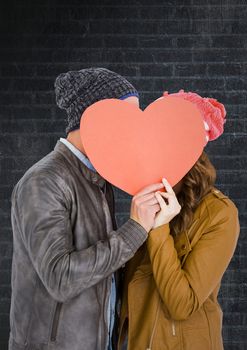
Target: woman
(171, 284)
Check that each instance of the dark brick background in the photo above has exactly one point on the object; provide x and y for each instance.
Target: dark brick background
(158, 45)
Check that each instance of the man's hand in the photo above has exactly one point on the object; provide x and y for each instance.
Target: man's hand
(168, 210)
(145, 205)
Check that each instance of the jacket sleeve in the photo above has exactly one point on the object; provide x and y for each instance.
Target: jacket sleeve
(41, 213)
(185, 289)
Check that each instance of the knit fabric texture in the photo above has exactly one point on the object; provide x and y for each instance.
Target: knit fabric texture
(212, 111)
(77, 90)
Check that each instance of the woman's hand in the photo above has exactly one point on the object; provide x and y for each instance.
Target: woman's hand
(167, 211)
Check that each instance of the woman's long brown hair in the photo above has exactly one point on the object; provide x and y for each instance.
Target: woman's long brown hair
(195, 185)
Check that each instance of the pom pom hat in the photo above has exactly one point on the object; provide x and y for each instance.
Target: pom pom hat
(212, 111)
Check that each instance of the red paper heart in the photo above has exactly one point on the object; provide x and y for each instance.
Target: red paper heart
(132, 148)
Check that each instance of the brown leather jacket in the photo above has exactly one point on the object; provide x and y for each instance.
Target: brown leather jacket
(65, 250)
(171, 285)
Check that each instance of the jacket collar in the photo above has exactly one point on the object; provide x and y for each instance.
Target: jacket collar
(89, 174)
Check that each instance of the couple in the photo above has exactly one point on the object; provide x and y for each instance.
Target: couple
(69, 288)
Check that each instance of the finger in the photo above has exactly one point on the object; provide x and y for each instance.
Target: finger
(171, 197)
(161, 201)
(149, 189)
(166, 194)
(145, 197)
(156, 208)
(150, 201)
(168, 187)
(167, 197)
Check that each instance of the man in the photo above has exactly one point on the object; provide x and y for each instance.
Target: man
(66, 244)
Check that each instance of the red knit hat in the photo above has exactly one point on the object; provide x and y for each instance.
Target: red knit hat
(213, 112)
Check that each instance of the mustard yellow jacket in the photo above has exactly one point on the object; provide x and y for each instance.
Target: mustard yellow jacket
(171, 284)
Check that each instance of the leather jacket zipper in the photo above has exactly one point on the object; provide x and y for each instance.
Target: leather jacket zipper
(107, 287)
(55, 322)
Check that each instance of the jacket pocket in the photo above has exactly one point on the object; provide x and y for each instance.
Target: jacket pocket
(198, 320)
(55, 322)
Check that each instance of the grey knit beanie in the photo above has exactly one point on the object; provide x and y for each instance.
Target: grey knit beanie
(77, 90)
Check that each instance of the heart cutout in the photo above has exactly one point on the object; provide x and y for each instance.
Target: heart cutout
(132, 148)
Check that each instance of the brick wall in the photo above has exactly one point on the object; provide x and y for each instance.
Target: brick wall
(158, 45)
